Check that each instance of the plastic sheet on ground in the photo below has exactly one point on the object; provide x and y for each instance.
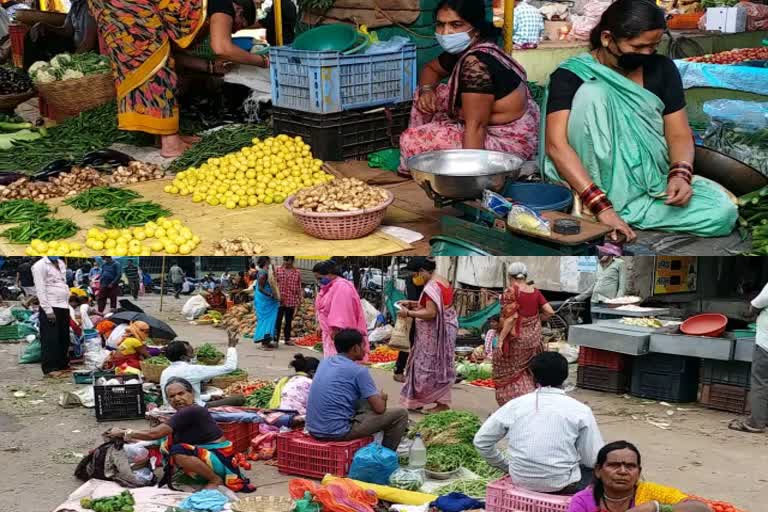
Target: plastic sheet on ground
(273, 227)
(148, 499)
(735, 78)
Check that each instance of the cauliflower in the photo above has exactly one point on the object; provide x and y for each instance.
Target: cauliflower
(44, 76)
(37, 66)
(71, 74)
(61, 60)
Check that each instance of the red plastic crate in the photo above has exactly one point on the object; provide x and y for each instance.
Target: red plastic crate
(503, 496)
(299, 454)
(239, 433)
(602, 358)
(16, 32)
(723, 397)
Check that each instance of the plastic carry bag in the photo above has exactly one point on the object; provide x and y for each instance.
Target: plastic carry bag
(194, 308)
(374, 464)
(6, 316)
(33, 353)
(380, 334)
(524, 219)
(739, 129)
(496, 204)
(407, 479)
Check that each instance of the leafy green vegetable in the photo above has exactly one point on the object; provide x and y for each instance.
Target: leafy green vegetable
(473, 371)
(447, 428)
(158, 360)
(236, 373)
(206, 351)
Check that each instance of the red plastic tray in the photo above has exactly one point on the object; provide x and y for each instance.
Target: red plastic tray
(602, 358)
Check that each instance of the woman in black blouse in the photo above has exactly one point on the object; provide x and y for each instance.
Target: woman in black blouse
(617, 132)
(486, 103)
(192, 441)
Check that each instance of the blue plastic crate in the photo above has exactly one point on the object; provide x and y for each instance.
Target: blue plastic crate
(327, 82)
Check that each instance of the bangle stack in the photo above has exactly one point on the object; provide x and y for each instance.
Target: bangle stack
(682, 170)
(426, 88)
(595, 200)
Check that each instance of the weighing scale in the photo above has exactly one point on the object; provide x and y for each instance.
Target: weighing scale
(457, 178)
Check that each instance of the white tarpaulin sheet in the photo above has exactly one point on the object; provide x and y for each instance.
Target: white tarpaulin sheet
(735, 78)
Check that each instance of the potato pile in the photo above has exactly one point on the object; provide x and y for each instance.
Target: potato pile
(65, 184)
(340, 195)
(136, 171)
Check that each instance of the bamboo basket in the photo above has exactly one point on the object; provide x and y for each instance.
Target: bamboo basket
(263, 504)
(210, 362)
(70, 97)
(152, 372)
(224, 381)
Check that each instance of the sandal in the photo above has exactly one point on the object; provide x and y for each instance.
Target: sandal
(743, 426)
(398, 377)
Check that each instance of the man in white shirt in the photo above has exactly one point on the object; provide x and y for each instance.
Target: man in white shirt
(553, 439)
(49, 275)
(758, 420)
(180, 353)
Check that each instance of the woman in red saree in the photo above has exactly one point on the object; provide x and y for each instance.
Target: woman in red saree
(526, 308)
(338, 307)
(430, 373)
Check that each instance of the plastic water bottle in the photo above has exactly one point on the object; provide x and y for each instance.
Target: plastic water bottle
(417, 456)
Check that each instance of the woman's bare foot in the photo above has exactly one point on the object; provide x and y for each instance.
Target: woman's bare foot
(439, 408)
(172, 146)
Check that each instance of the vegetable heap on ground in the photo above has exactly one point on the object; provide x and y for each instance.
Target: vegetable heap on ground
(13, 130)
(122, 502)
(218, 143)
(473, 371)
(134, 214)
(240, 319)
(136, 172)
(448, 437)
(310, 340)
(69, 67)
(245, 388)
(266, 172)
(732, 56)
(19, 210)
(99, 198)
(261, 397)
(39, 247)
(305, 320)
(211, 316)
(158, 360)
(753, 220)
(242, 246)
(383, 354)
(170, 236)
(45, 229)
(341, 195)
(65, 184)
(72, 139)
(717, 506)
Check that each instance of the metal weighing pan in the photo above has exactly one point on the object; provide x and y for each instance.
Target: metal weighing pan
(738, 177)
(463, 173)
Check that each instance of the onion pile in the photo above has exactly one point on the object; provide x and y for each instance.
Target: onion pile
(65, 184)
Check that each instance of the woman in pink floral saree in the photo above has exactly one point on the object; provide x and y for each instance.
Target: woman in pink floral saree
(337, 307)
(486, 103)
(430, 373)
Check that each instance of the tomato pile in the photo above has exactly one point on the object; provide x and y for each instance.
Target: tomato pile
(717, 506)
(733, 56)
(484, 383)
(383, 354)
(246, 388)
(309, 340)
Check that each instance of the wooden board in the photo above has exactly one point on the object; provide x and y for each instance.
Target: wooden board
(271, 226)
(589, 230)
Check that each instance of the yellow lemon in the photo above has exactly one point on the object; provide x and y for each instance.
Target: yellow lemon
(39, 245)
(185, 249)
(113, 234)
(157, 246)
(110, 244)
(231, 205)
(172, 248)
(97, 245)
(160, 232)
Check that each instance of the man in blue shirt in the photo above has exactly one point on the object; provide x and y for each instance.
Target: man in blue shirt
(111, 274)
(344, 403)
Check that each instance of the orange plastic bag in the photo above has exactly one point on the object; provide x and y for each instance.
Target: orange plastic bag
(338, 496)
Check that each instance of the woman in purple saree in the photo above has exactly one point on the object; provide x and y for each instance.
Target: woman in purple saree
(430, 373)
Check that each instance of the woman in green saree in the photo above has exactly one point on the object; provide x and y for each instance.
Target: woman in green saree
(616, 132)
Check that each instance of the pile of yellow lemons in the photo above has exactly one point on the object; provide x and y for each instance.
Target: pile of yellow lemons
(39, 247)
(265, 173)
(161, 236)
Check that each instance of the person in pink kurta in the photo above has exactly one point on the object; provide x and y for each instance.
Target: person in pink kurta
(338, 307)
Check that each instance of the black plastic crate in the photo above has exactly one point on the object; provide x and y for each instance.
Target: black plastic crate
(347, 135)
(121, 402)
(599, 378)
(723, 397)
(665, 377)
(731, 373)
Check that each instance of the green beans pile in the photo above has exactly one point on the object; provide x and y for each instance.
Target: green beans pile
(219, 143)
(99, 198)
(474, 488)
(260, 398)
(45, 229)
(443, 459)
(20, 210)
(753, 220)
(134, 214)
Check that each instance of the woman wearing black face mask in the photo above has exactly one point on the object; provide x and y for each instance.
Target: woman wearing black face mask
(617, 132)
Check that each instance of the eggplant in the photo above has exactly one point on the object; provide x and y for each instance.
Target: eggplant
(53, 169)
(6, 178)
(106, 158)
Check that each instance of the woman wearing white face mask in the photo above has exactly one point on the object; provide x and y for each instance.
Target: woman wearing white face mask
(486, 103)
